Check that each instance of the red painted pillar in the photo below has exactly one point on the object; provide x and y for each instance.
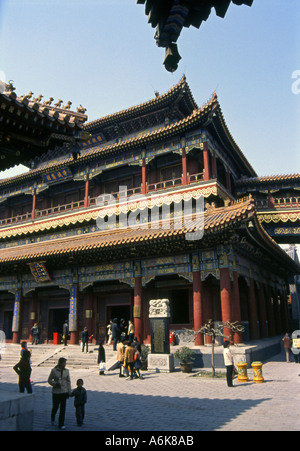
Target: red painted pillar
(144, 177)
(33, 204)
(184, 168)
(198, 306)
(225, 289)
(252, 311)
(87, 191)
(206, 162)
(137, 308)
(236, 307)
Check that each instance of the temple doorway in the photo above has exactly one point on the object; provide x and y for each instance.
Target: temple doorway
(7, 325)
(118, 311)
(57, 317)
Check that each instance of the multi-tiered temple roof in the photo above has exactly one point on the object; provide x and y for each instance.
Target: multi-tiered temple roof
(30, 127)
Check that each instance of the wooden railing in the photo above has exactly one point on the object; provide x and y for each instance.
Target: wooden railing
(15, 219)
(72, 206)
(278, 203)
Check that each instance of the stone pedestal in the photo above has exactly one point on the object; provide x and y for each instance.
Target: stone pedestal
(16, 411)
(161, 363)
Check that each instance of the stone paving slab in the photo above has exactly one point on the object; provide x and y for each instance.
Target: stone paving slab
(173, 401)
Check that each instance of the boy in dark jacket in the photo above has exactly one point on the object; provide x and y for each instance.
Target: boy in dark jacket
(23, 370)
(80, 400)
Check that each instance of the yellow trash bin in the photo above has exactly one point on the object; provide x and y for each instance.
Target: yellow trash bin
(257, 372)
(242, 371)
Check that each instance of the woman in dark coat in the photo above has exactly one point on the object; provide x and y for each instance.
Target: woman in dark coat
(101, 359)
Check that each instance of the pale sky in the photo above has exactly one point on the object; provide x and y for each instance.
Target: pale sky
(101, 54)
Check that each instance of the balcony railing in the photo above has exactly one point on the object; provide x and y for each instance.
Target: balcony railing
(194, 178)
(278, 203)
(73, 206)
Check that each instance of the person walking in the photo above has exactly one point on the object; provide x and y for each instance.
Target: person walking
(120, 356)
(116, 333)
(130, 331)
(109, 333)
(59, 379)
(123, 329)
(129, 359)
(23, 370)
(138, 361)
(80, 399)
(65, 333)
(287, 344)
(35, 334)
(85, 340)
(228, 361)
(101, 359)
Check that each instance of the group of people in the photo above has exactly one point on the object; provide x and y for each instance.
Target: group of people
(59, 379)
(127, 347)
(129, 359)
(118, 330)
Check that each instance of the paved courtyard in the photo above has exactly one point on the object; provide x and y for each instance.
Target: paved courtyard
(173, 402)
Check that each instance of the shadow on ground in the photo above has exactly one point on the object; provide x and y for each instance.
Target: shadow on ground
(110, 411)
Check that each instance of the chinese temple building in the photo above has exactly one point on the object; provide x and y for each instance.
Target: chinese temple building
(158, 203)
(277, 199)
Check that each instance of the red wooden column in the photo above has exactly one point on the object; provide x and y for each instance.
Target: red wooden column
(206, 162)
(184, 167)
(252, 311)
(236, 307)
(262, 311)
(33, 204)
(137, 308)
(87, 192)
(144, 176)
(198, 306)
(225, 292)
